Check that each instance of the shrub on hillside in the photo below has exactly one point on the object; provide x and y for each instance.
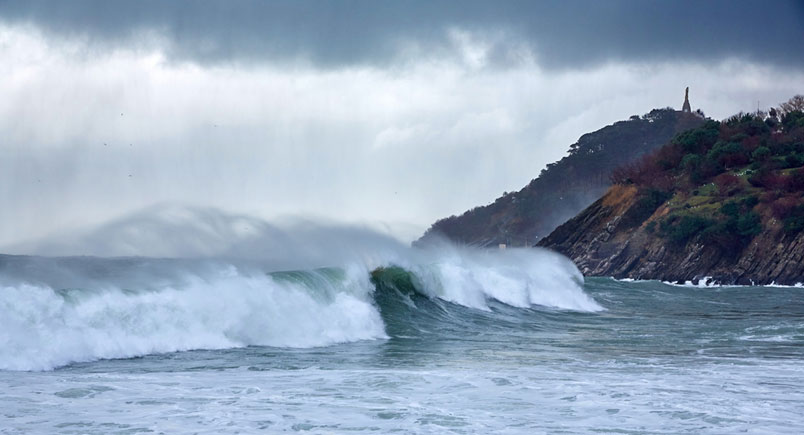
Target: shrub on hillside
(792, 120)
(794, 160)
(727, 184)
(740, 223)
(729, 154)
(645, 206)
(749, 225)
(691, 161)
(794, 223)
(795, 181)
(768, 179)
(761, 154)
(679, 230)
(697, 140)
(783, 207)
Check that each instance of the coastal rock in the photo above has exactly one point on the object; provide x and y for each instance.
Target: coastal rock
(724, 200)
(634, 252)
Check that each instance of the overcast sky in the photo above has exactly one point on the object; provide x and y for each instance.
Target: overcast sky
(392, 114)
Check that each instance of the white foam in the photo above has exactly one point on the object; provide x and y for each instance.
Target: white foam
(705, 282)
(516, 277)
(41, 329)
(147, 306)
(796, 285)
(709, 282)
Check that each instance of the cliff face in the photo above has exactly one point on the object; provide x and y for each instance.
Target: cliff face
(565, 187)
(604, 240)
(725, 200)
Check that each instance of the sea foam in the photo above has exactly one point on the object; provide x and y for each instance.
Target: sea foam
(57, 311)
(42, 327)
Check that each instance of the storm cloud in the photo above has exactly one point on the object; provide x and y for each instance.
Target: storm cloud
(389, 114)
(558, 34)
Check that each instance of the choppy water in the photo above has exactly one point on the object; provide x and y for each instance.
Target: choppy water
(464, 342)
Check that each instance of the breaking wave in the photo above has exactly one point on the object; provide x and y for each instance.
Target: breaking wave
(56, 311)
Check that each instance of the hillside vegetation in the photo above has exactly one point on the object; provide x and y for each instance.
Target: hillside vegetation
(725, 199)
(724, 181)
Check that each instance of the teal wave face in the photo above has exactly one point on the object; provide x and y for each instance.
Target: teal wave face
(394, 279)
(405, 309)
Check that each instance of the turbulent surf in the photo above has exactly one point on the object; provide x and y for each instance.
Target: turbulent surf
(442, 340)
(57, 311)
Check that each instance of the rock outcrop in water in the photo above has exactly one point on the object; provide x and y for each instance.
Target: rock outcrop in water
(565, 187)
(724, 201)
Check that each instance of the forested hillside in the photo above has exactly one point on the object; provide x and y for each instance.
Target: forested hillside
(724, 200)
(565, 187)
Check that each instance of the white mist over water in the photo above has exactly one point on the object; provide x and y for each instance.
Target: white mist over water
(224, 286)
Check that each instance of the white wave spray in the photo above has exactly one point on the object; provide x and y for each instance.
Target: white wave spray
(516, 277)
(55, 311)
(42, 328)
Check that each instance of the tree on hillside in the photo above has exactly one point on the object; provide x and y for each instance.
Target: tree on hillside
(792, 105)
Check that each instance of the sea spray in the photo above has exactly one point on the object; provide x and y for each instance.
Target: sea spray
(306, 285)
(516, 277)
(43, 327)
(54, 311)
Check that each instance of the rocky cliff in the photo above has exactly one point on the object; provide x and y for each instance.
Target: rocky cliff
(724, 201)
(604, 241)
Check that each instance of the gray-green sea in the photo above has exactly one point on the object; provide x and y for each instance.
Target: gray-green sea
(460, 342)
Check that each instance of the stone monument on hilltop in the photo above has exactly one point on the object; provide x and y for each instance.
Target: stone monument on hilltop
(686, 107)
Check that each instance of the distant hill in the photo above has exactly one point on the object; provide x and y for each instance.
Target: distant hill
(565, 187)
(725, 200)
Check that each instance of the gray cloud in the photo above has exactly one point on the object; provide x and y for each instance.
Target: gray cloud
(333, 34)
(86, 139)
(377, 112)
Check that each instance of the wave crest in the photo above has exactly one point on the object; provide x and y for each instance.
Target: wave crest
(55, 311)
(43, 328)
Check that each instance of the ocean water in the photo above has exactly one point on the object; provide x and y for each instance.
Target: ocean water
(455, 341)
